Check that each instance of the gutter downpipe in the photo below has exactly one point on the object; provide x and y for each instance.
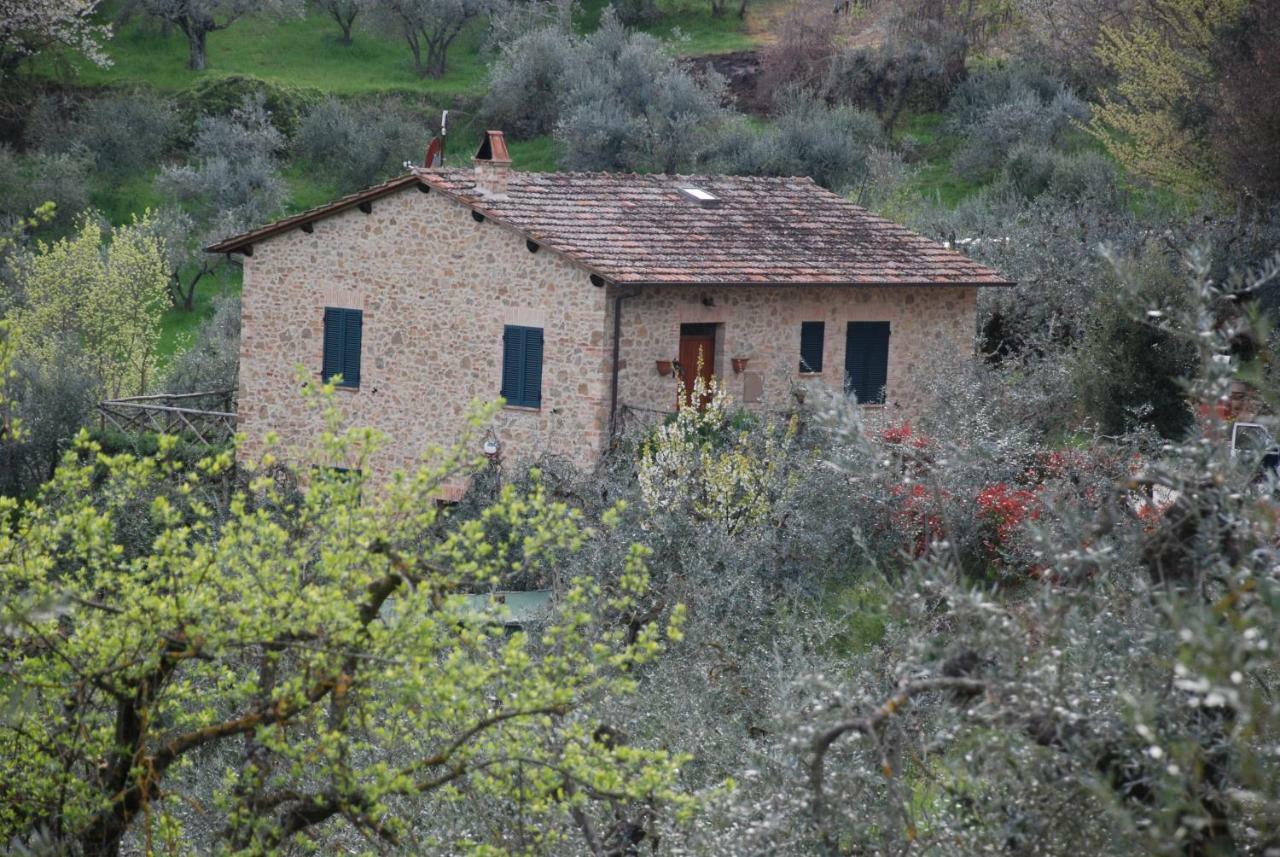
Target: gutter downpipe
(617, 350)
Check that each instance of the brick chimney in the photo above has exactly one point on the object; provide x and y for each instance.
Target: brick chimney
(493, 164)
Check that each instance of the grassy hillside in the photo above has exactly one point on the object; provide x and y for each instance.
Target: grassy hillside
(305, 53)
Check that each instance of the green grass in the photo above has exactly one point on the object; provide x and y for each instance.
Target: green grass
(537, 155)
(696, 32)
(119, 199)
(302, 53)
(178, 326)
(863, 607)
(307, 187)
(935, 178)
(688, 25)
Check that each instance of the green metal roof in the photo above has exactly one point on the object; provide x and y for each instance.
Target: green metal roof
(521, 607)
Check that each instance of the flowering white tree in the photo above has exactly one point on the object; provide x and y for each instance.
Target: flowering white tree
(28, 27)
(704, 463)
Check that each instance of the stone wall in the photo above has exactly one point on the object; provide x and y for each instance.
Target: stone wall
(436, 288)
(763, 324)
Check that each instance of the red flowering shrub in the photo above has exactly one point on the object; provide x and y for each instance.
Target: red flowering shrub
(904, 436)
(914, 516)
(1004, 510)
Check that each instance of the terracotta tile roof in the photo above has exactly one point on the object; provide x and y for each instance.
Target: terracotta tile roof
(636, 229)
(641, 229)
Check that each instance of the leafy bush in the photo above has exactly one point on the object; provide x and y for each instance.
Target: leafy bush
(103, 296)
(1032, 170)
(998, 109)
(831, 146)
(358, 146)
(212, 361)
(616, 99)
(28, 181)
(526, 82)
(223, 96)
(52, 399)
(124, 133)
(128, 133)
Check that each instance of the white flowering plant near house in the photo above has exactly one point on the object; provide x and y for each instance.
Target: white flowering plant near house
(706, 462)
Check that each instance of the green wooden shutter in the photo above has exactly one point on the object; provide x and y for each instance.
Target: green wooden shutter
(351, 350)
(342, 341)
(812, 334)
(531, 382)
(334, 343)
(866, 361)
(522, 366)
(512, 363)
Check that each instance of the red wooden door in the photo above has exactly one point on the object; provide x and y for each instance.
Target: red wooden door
(697, 355)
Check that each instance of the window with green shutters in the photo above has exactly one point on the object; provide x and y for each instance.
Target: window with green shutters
(811, 338)
(866, 361)
(342, 332)
(522, 366)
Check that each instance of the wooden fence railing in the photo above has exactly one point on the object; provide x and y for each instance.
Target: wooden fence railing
(208, 418)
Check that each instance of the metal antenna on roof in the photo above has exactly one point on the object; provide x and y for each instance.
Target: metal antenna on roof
(444, 133)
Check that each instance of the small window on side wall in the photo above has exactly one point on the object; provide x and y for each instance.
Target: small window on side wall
(342, 334)
(522, 366)
(812, 334)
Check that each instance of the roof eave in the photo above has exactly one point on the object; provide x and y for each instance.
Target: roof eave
(913, 284)
(237, 243)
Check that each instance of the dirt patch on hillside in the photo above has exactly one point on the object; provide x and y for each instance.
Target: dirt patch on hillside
(741, 72)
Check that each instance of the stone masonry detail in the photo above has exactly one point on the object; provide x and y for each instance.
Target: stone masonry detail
(436, 288)
(762, 323)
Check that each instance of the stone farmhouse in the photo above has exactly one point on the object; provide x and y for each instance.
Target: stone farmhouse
(583, 297)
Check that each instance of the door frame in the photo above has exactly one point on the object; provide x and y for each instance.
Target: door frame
(704, 332)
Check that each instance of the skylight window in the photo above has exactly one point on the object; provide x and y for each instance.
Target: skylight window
(700, 196)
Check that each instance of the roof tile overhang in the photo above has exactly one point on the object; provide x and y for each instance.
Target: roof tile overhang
(238, 243)
(643, 230)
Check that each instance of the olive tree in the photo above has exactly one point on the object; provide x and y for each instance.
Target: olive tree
(343, 13)
(830, 145)
(628, 105)
(302, 666)
(231, 182)
(615, 99)
(358, 145)
(196, 19)
(429, 27)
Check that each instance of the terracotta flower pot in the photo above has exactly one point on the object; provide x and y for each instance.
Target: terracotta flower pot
(664, 368)
(739, 365)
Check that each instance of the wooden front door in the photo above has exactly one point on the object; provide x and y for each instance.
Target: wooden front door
(697, 355)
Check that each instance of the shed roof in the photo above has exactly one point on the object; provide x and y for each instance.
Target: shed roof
(648, 229)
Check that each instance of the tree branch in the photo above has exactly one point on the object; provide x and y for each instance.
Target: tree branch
(867, 725)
